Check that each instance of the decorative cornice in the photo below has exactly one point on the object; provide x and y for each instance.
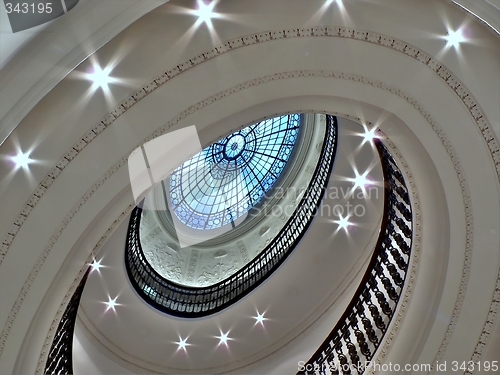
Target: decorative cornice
(319, 31)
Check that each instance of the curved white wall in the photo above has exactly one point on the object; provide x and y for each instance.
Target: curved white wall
(349, 71)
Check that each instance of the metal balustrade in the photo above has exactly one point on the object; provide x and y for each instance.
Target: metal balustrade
(355, 338)
(184, 301)
(60, 358)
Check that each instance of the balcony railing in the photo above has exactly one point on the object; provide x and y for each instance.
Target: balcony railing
(60, 358)
(193, 302)
(357, 335)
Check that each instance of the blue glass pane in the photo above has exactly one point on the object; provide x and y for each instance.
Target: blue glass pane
(226, 179)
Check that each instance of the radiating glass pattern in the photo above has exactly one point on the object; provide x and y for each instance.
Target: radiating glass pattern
(226, 179)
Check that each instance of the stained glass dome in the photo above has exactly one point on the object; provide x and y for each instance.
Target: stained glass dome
(226, 179)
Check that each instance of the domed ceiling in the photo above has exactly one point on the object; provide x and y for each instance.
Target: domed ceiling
(425, 72)
(210, 255)
(220, 184)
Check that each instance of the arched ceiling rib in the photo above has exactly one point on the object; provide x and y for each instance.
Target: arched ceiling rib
(389, 79)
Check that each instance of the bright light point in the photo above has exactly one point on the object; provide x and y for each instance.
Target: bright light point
(205, 11)
(369, 135)
(182, 343)
(454, 38)
(100, 77)
(337, 2)
(259, 318)
(360, 181)
(223, 338)
(343, 222)
(22, 160)
(95, 265)
(111, 304)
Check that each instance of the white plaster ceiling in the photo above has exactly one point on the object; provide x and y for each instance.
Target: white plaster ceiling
(429, 113)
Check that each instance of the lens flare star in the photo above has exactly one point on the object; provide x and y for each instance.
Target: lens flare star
(360, 181)
(205, 12)
(454, 38)
(96, 265)
(223, 338)
(369, 135)
(22, 160)
(182, 344)
(343, 223)
(100, 78)
(111, 304)
(259, 319)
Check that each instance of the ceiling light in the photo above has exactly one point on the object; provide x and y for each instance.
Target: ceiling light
(454, 38)
(182, 343)
(338, 3)
(259, 318)
(205, 11)
(95, 265)
(111, 304)
(360, 181)
(100, 77)
(343, 223)
(223, 338)
(369, 135)
(22, 160)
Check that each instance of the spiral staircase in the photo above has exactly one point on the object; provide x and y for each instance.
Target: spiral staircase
(372, 64)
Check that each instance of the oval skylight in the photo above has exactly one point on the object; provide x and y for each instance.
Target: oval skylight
(226, 179)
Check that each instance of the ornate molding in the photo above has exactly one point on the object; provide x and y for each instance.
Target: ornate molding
(323, 31)
(193, 262)
(242, 247)
(163, 258)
